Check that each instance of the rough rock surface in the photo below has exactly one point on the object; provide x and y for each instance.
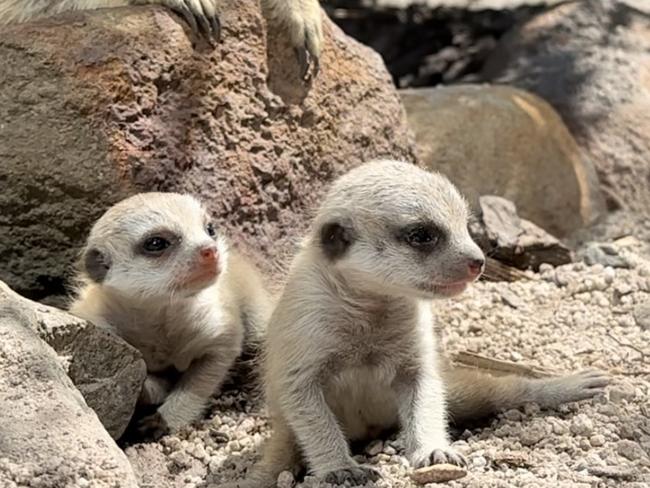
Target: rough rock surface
(49, 437)
(564, 319)
(591, 61)
(106, 103)
(106, 370)
(493, 140)
(508, 238)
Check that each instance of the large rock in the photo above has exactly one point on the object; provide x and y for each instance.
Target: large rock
(591, 61)
(103, 104)
(106, 370)
(493, 140)
(49, 437)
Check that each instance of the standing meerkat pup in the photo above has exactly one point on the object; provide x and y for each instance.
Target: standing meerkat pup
(301, 20)
(157, 273)
(351, 349)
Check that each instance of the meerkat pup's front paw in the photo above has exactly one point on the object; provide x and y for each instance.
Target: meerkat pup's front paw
(303, 23)
(153, 426)
(201, 15)
(354, 475)
(438, 456)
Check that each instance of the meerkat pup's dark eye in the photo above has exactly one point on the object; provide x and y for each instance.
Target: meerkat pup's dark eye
(155, 245)
(210, 230)
(422, 237)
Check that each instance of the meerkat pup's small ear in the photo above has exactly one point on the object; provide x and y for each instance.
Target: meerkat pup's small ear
(96, 264)
(335, 238)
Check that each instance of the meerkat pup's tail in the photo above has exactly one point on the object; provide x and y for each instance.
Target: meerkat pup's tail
(473, 394)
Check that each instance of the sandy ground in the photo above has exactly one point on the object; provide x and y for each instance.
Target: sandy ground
(564, 319)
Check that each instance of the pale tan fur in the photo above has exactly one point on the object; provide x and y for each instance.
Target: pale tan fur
(197, 331)
(351, 348)
(300, 19)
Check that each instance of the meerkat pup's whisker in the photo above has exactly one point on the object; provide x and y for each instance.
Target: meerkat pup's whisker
(156, 272)
(351, 348)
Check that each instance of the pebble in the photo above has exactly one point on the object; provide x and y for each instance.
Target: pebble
(438, 473)
(597, 440)
(286, 480)
(533, 433)
(622, 391)
(630, 450)
(374, 448)
(641, 315)
(581, 424)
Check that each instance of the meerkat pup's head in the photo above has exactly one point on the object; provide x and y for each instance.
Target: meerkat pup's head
(154, 246)
(398, 229)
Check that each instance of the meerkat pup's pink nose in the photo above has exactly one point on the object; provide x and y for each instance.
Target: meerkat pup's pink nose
(208, 254)
(475, 266)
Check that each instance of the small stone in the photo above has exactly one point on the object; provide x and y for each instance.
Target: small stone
(478, 461)
(533, 433)
(581, 424)
(642, 315)
(374, 448)
(286, 480)
(613, 472)
(515, 356)
(438, 473)
(622, 391)
(597, 440)
(514, 415)
(630, 450)
(180, 459)
(513, 459)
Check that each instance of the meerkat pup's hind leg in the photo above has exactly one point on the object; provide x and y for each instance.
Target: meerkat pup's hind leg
(280, 453)
(303, 23)
(473, 394)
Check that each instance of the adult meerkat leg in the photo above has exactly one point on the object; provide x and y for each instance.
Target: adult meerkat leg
(473, 394)
(302, 20)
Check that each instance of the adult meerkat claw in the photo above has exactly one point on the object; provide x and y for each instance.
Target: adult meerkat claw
(200, 15)
(301, 21)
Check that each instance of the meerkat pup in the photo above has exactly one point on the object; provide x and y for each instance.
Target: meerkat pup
(156, 271)
(301, 20)
(351, 349)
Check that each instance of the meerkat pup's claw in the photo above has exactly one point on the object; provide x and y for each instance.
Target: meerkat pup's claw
(356, 475)
(153, 427)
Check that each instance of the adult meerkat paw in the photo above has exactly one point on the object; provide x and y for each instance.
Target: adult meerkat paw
(356, 475)
(307, 40)
(201, 15)
(439, 456)
(302, 21)
(153, 426)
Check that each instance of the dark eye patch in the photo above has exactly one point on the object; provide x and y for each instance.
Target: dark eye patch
(424, 236)
(209, 228)
(157, 243)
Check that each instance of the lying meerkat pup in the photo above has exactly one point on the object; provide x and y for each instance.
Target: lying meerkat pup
(156, 272)
(300, 19)
(351, 349)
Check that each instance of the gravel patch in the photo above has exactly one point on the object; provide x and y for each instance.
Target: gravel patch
(562, 319)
